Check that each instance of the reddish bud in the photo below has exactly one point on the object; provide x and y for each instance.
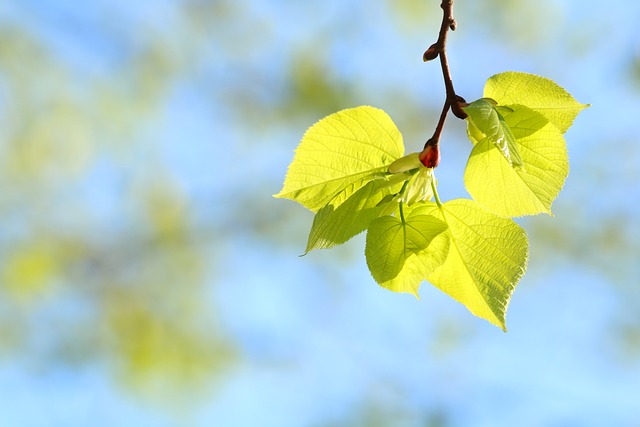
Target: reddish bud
(431, 53)
(458, 107)
(460, 100)
(430, 156)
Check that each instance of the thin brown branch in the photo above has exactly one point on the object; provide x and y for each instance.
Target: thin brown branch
(436, 134)
(439, 49)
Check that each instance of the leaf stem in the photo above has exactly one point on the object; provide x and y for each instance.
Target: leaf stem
(435, 192)
(400, 205)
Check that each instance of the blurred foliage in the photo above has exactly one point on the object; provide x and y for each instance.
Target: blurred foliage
(514, 23)
(633, 69)
(377, 410)
(83, 231)
(519, 24)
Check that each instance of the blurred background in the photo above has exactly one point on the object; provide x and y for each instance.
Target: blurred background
(148, 278)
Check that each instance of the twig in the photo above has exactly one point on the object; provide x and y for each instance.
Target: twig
(454, 102)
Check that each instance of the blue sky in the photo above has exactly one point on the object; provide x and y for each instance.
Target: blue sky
(319, 341)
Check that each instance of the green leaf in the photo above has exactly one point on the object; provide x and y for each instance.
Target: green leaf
(419, 186)
(487, 257)
(403, 164)
(400, 255)
(342, 149)
(339, 221)
(538, 93)
(506, 191)
(485, 121)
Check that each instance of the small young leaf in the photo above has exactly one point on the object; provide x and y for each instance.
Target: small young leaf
(401, 255)
(484, 119)
(419, 186)
(538, 93)
(506, 191)
(403, 164)
(487, 257)
(347, 147)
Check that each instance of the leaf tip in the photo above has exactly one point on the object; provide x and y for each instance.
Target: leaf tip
(500, 322)
(311, 245)
(496, 319)
(308, 249)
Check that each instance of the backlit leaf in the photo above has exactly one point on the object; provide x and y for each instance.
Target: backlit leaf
(507, 191)
(487, 257)
(485, 121)
(401, 255)
(538, 93)
(406, 163)
(344, 148)
(334, 224)
(419, 186)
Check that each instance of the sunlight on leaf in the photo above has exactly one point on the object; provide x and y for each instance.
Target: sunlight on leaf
(339, 150)
(538, 93)
(400, 255)
(334, 224)
(506, 191)
(484, 120)
(487, 257)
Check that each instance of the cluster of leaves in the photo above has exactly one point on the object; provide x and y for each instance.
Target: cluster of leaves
(350, 169)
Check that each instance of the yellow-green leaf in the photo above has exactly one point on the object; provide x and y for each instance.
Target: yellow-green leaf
(400, 255)
(336, 223)
(538, 93)
(487, 257)
(530, 190)
(347, 147)
(403, 164)
(484, 121)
